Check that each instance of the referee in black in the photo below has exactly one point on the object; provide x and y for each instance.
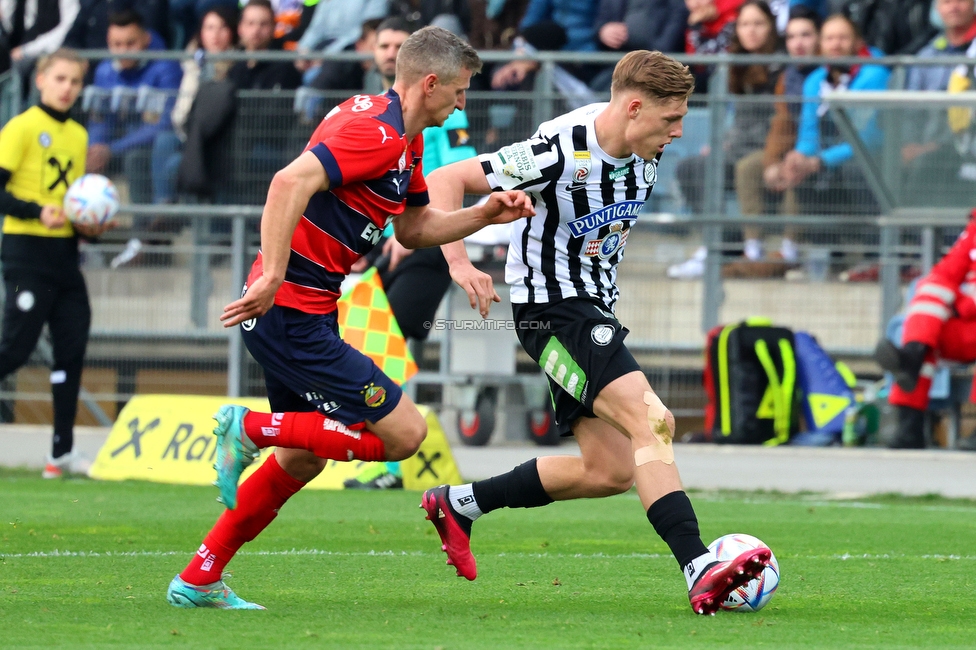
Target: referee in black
(42, 151)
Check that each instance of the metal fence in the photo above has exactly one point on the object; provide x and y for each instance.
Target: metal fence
(861, 233)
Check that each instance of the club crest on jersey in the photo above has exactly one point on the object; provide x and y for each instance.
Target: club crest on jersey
(650, 171)
(623, 210)
(602, 334)
(606, 247)
(45, 139)
(583, 165)
(373, 395)
(402, 163)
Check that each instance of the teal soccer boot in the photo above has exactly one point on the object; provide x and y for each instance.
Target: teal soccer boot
(217, 595)
(235, 452)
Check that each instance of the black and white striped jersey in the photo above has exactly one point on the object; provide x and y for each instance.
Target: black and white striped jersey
(586, 202)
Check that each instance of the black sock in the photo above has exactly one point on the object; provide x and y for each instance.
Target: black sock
(674, 520)
(520, 488)
(913, 356)
(65, 408)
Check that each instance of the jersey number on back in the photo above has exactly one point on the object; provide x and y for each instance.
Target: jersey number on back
(361, 103)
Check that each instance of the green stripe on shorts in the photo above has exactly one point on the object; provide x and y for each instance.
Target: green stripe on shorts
(562, 368)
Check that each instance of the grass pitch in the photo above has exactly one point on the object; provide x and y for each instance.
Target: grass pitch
(86, 564)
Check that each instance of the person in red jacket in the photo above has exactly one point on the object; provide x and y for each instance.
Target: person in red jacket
(711, 25)
(940, 324)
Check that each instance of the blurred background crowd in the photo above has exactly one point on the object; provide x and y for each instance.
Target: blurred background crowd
(149, 127)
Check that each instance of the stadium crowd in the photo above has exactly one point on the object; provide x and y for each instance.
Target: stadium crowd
(148, 126)
(189, 131)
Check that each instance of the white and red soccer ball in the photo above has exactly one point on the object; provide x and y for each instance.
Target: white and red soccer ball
(752, 596)
(91, 200)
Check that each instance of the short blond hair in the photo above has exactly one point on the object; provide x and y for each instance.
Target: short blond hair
(62, 54)
(855, 30)
(433, 50)
(654, 74)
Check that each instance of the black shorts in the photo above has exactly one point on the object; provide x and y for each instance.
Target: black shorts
(579, 345)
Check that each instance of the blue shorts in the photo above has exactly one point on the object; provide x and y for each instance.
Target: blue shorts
(307, 367)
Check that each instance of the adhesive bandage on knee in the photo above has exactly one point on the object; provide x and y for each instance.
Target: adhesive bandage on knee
(661, 422)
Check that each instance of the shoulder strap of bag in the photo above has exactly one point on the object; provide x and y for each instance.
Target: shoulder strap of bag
(725, 403)
(782, 389)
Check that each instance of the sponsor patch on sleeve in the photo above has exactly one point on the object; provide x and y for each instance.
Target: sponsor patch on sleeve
(515, 165)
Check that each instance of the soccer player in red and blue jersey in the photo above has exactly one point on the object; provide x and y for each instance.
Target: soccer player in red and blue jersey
(324, 211)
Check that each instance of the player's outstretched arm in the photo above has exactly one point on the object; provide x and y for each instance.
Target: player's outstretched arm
(422, 227)
(447, 187)
(289, 193)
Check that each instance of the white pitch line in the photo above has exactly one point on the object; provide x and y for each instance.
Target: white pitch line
(572, 556)
(820, 502)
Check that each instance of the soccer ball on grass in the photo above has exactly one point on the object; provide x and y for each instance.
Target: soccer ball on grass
(752, 596)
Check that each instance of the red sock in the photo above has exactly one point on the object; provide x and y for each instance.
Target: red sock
(323, 436)
(258, 501)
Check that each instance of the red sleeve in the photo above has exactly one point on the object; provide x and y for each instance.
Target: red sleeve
(417, 189)
(727, 12)
(953, 267)
(356, 151)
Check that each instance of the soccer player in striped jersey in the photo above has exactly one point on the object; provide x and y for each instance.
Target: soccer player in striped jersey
(588, 173)
(324, 211)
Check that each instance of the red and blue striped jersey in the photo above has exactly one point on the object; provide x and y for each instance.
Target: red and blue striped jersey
(374, 172)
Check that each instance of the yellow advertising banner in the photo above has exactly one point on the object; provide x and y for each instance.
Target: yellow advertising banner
(169, 439)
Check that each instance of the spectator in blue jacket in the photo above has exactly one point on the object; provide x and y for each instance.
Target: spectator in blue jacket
(568, 25)
(626, 25)
(820, 167)
(122, 133)
(576, 17)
